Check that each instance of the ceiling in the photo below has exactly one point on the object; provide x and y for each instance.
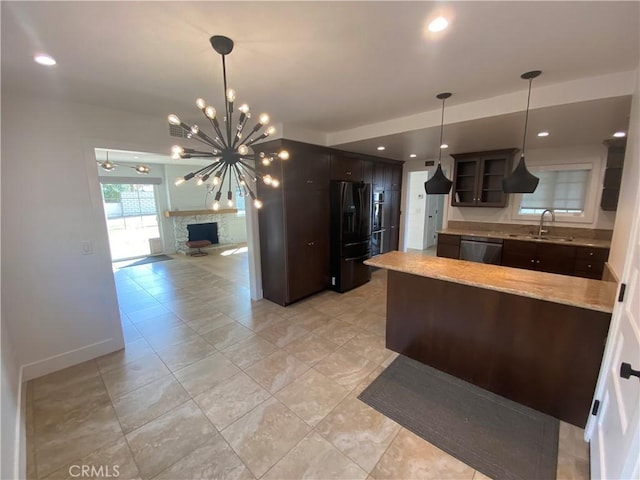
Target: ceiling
(330, 66)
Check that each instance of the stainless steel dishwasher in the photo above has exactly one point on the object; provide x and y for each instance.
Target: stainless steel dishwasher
(481, 249)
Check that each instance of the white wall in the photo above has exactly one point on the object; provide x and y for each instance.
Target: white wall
(596, 153)
(629, 189)
(61, 305)
(10, 401)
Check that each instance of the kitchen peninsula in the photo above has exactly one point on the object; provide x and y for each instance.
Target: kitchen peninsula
(533, 337)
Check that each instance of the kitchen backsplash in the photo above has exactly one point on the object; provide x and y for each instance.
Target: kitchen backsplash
(598, 234)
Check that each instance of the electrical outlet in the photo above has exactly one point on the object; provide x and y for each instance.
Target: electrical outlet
(86, 247)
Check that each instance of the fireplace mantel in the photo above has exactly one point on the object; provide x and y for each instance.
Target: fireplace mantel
(188, 213)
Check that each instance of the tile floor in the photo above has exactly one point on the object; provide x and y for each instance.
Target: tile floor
(212, 385)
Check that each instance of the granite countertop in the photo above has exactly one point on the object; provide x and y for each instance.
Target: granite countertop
(578, 292)
(577, 241)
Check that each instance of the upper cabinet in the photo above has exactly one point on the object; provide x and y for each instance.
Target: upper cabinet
(347, 168)
(477, 178)
(613, 174)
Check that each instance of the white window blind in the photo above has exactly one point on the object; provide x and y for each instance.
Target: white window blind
(564, 191)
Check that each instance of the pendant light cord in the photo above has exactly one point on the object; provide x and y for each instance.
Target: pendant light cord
(226, 100)
(441, 130)
(526, 119)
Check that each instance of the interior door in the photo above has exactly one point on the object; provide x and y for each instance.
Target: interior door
(615, 430)
(433, 202)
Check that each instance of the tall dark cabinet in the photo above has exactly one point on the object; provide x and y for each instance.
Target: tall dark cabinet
(294, 224)
(294, 221)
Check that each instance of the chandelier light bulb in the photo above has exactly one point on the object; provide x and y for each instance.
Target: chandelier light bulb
(142, 169)
(216, 205)
(216, 180)
(210, 112)
(264, 119)
(271, 130)
(244, 108)
(266, 161)
(267, 179)
(275, 183)
(200, 181)
(200, 103)
(179, 181)
(195, 129)
(231, 94)
(443, 146)
(283, 155)
(257, 203)
(173, 119)
(108, 166)
(243, 149)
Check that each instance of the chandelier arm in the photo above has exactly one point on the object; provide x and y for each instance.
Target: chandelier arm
(253, 175)
(208, 140)
(253, 169)
(199, 139)
(239, 131)
(216, 127)
(257, 127)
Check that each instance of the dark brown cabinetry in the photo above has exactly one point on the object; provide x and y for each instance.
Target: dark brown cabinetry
(346, 168)
(448, 246)
(295, 218)
(477, 178)
(553, 258)
(590, 262)
(613, 174)
(294, 224)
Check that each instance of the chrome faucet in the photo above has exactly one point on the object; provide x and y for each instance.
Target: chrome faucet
(553, 219)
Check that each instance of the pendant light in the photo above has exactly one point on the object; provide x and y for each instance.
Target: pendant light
(439, 184)
(521, 180)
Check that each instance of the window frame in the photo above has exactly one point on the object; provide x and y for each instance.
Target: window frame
(591, 194)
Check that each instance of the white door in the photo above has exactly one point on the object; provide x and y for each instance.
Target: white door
(615, 430)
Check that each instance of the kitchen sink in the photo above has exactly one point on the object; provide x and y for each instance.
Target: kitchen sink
(541, 237)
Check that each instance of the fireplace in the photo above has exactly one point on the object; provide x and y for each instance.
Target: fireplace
(203, 231)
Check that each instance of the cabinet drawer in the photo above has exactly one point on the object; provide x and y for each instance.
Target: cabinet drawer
(448, 251)
(589, 269)
(592, 254)
(448, 239)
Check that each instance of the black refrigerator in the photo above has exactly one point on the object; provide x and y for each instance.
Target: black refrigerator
(350, 234)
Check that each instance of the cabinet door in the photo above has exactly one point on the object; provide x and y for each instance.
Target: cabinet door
(465, 179)
(378, 176)
(346, 168)
(554, 258)
(492, 171)
(393, 177)
(367, 172)
(307, 223)
(306, 169)
(519, 254)
(590, 262)
(448, 246)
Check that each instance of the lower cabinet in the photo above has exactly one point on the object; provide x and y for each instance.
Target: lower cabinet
(448, 246)
(572, 260)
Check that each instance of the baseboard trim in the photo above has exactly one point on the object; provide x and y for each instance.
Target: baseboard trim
(70, 358)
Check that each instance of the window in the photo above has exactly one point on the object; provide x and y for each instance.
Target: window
(563, 188)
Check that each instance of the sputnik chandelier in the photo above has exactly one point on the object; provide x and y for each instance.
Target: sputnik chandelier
(111, 166)
(230, 149)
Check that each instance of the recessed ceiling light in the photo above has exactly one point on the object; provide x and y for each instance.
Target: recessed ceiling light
(381, 148)
(444, 145)
(44, 59)
(438, 24)
(619, 134)
(543, 134)
(413, 155)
